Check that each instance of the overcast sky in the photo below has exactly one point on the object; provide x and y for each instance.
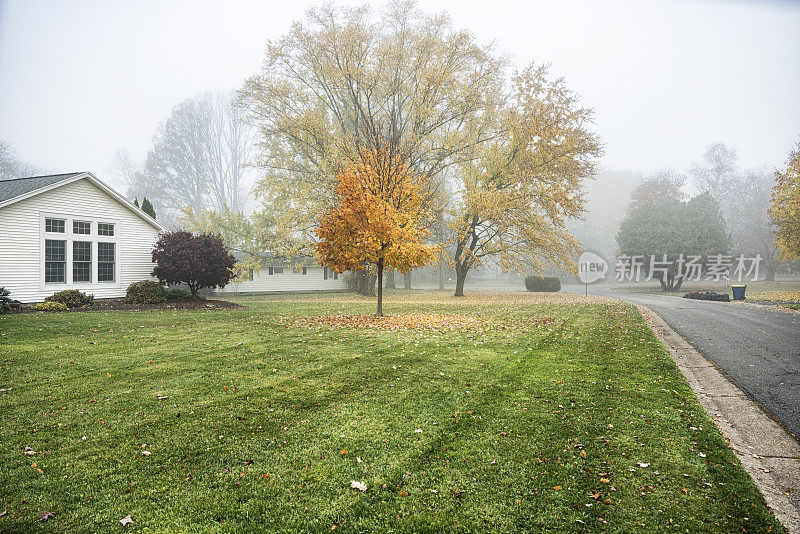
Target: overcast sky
(80, 79)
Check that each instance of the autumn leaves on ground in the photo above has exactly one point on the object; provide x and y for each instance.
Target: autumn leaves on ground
(501, 411)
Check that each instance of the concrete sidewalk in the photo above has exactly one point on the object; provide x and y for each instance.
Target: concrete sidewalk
(767, 452)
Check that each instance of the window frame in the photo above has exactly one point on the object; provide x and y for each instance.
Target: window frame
(113, 263)
(79, 221)
(63, 222)
(75, 261)
(107, 223)
(71, 237)
(62, 261)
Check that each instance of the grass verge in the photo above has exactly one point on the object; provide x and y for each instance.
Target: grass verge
(520, 413)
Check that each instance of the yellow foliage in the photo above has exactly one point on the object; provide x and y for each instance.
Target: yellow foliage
(522, 187)
(380, 218)
(785, 209)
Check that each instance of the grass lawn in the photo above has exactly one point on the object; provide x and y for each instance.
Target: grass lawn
(499, 411)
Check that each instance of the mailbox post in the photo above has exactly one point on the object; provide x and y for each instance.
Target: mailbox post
(591, 268)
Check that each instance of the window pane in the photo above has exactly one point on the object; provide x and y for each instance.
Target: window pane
(105, 229)
(81, 261)
(278, 270)
(54, 225)
(105, 252)
(55, 250)
(81, 227)
(81, 251)
(81, 271)
(105, 261)
(55, 271)
(55, 265)
(105, 272)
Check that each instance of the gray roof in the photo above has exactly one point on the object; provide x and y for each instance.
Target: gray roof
(272, 260)
(14, 187)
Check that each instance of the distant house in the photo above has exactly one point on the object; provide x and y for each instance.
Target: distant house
(302, 274)
(71, 231)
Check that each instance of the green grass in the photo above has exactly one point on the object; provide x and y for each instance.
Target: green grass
(531, 416)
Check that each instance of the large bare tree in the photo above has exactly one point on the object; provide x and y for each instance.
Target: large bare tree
(198, 159)
(346, 79)
(716, 171)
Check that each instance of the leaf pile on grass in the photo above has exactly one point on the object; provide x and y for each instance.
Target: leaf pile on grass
(391, 323)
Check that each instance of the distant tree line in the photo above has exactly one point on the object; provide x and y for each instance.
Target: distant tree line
(733, 213)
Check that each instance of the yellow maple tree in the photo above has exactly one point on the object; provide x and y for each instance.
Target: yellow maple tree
(785, 209)
(380, 218)
(516, 195)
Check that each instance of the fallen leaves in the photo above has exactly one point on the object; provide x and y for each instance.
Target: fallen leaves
(46, 515)
(394, 323)
(29, 451)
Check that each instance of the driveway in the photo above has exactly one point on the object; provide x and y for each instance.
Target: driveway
(757, 347)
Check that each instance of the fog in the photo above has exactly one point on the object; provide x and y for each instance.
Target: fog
(100, 86)
(80, 80)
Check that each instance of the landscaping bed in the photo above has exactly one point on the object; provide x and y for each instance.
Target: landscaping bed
(120, 304)
(507, 412)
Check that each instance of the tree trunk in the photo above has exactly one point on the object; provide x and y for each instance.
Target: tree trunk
(461, 276)
(678, 284)
(379, 313)
(390, 283)
(770, 274)
(365, 284)
(441, 278)
(407, 280)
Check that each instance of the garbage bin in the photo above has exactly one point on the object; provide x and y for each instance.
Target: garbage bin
(738, 291)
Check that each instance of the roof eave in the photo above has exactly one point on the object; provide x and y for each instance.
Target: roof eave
(92, 178)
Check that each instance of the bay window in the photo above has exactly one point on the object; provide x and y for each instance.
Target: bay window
(77, 252)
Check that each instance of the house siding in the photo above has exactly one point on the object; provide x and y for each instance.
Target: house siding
(21, 241)
(313, 280)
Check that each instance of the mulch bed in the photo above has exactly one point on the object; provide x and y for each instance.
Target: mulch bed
(120, 304)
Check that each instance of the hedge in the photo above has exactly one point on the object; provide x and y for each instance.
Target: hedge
(543, 283)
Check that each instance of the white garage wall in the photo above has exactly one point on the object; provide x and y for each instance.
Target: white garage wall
(313, 280)
(21, 253)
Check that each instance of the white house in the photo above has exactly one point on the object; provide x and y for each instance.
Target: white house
(71, 231)
(301, 275)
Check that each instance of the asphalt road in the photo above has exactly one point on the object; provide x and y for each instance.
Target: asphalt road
(757, 347)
